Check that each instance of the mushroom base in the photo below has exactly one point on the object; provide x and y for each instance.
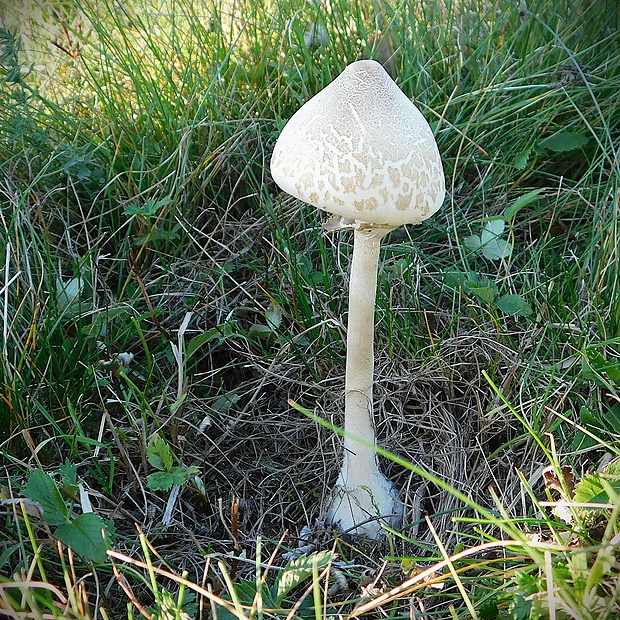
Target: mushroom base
(362, 509)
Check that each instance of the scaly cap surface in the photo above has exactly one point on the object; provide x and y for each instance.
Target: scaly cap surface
(360, 149)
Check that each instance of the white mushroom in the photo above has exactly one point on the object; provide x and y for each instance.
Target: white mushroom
(361, 150)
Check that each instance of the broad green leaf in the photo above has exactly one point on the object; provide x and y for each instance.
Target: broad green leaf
(603, 496)
(613, 468)
(245, 593)
(490, 242)
(492, 245)
(297, 571)
(260, 331)
(158, 453)
(514, 305)
(592, 423)
(455, 279)
(477, 281)
(485, 294)
(496, 249)
(588, 488)
(68, 293)
(220, 332)
(520, 607)
(563, 141)
(602, 366)
(157, 234)
(305, 268)
(519, 203)
(84, 536)
(581, 441)
(180, 475)
(69, 485)
(160, 481)
(83, 173)
(42, 489)
(304, 264)
(5, 556)
(522, 158)
(587, 417)
(273, 316)
(591, 490)
(150, 207)
(223, 403)
(472, 242)
(493, 227)
(612, 418)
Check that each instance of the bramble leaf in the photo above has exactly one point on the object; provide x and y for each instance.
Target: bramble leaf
(514, 305)
(563, 141)
(180, 475)
(160, 481)
(43, 490)
(522, 158)
(158, 453)
(84, 536)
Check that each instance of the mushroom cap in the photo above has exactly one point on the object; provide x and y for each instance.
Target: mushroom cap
(360, 149)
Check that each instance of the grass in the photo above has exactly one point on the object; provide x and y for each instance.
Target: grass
(139, 219)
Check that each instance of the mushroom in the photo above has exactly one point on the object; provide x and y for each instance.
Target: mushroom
(363, 152)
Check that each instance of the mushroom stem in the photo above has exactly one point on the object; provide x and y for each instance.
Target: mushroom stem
(362, 491)
(360, 342)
